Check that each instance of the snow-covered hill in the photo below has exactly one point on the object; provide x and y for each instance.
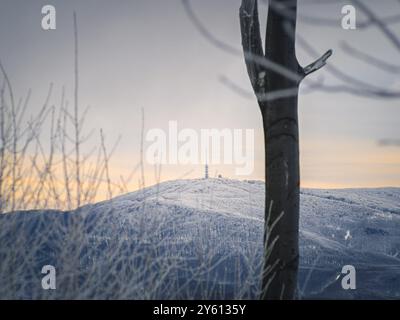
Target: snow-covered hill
(200, 239)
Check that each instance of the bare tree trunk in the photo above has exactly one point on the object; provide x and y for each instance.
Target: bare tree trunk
(282, 173)
(282, 188)
(275, 78)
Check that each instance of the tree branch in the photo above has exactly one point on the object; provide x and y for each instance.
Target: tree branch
(317, 64)
(251, 42)
(379, 23)
(369, 59)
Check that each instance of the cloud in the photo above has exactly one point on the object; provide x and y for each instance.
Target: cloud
(389, 142)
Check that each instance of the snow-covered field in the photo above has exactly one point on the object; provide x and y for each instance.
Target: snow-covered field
(200, 239)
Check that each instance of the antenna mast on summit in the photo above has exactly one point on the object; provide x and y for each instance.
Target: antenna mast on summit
(206, 167)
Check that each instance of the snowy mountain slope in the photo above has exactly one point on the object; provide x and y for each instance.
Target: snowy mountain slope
(200, 239)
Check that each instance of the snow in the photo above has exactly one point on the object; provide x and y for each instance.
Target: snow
(201, 239)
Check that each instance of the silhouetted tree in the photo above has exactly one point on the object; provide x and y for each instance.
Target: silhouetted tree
(275, 76)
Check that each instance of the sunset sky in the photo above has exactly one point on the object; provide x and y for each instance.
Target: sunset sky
(136, 54)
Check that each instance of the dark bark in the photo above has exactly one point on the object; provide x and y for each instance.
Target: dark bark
(278, 72)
